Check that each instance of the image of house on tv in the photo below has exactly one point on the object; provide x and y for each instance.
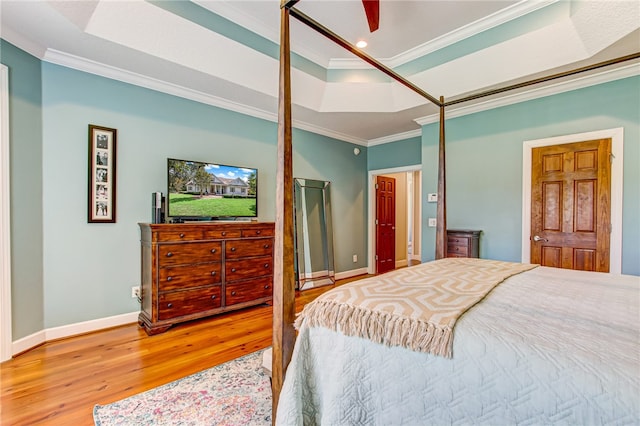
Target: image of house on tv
(221, 186)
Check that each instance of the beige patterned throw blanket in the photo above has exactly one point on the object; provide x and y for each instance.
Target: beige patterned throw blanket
(415, 307)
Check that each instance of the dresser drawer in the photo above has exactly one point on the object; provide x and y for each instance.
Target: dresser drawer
(217, 234)
(180, 277)
(245, 268)
(245, 248)
(180, 303)
(249, 290)
(262, 232)
(176, 254)
(179, 236)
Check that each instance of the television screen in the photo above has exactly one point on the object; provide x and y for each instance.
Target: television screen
(198, 190)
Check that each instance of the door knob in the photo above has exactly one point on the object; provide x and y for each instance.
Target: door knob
(537, 238)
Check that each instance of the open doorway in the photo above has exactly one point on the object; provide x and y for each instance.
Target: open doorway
(407, 215)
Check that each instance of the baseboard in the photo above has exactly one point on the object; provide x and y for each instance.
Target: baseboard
(46, 335)
(401, 263)
(351, 273)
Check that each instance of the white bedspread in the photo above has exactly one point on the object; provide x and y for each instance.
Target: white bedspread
(548, 346)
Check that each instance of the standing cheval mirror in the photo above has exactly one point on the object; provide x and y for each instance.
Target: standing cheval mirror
(314, 234)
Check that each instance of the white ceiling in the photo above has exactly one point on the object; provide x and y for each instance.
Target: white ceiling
(157, 46)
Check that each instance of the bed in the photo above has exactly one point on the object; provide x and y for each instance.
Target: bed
(544, 346)
(526, 352)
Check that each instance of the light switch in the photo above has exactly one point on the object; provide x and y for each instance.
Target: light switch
(432, 198)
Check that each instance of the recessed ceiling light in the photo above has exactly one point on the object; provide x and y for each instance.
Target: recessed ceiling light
(361, 44)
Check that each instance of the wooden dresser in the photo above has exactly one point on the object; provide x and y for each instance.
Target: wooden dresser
(463, 243)
(193, 270)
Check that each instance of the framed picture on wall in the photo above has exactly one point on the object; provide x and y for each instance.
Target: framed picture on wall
(102, 174)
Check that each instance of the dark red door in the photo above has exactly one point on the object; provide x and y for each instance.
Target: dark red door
(385, 224)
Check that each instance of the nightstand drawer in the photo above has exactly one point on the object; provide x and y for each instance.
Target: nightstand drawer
(458, 250)
(458, 241)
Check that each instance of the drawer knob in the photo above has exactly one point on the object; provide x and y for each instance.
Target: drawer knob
(169, 278)
(233, 293)
(224, 233)
(169, 305)
(213, 250)
(233, 249)
(169, 254)
(258, 232)
(266, 265)
(233, 269)
(181, 235)
(213, 273)
(213, 297)
(266, 246)
(266, 287)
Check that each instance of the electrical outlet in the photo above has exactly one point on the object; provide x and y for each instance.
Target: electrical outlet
(135, 292)
(355, 258)
(432, 222)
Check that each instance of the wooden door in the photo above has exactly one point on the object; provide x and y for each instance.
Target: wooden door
(571, 205)
(385, 224)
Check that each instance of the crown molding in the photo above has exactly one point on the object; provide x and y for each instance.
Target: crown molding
(93, 67)
(395, 137)
(553, 89)
(114, 73)
(118, 74)
(500, 17)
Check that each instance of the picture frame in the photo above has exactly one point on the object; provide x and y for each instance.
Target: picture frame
(102, 174)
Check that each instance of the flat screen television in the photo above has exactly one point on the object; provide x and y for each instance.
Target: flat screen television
(209, 191)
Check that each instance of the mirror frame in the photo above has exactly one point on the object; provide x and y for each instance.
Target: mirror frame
(306, 278)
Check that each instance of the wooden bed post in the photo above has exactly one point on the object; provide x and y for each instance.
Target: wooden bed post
(441, 216)
(283, 279)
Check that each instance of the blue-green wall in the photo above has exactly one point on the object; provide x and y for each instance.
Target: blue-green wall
(484, 163)
(25, 127)
(65, 270)
(401, 153)
(84, 271)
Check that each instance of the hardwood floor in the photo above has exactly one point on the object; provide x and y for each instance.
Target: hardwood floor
(59, 382)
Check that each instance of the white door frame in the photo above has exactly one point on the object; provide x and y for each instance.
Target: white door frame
(617, 142)
(5, 223)
(371, 210)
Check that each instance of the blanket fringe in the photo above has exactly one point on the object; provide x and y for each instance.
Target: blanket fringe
(379, 327)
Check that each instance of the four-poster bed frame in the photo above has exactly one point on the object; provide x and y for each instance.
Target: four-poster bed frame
(284, 275)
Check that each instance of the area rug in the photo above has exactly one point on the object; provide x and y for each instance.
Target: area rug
(234, 393)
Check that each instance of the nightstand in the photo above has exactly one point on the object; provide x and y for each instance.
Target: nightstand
(463, 243)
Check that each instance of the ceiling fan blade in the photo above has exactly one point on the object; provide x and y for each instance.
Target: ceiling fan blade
(372, 9)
